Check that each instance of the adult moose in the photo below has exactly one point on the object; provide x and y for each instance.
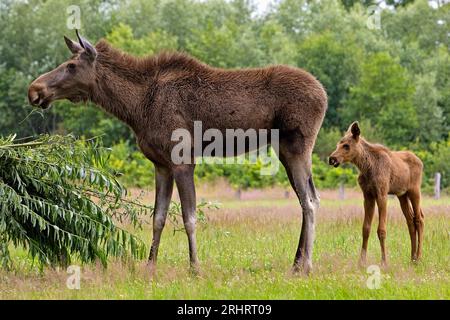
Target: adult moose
(159, 94)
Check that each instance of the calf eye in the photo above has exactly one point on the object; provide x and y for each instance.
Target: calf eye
(346, 147)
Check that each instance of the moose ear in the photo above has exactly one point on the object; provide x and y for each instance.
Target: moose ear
(89, 51)
(354, 129)
(73, 46)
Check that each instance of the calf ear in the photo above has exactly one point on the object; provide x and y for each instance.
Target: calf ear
(354, 129)
(89, 51)
(73, 46)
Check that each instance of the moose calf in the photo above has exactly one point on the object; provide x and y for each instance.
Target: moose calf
(384, 172)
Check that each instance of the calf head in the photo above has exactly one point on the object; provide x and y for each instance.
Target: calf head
(71, 80)
(348, 148)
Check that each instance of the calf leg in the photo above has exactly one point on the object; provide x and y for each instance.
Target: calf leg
(414, 197)
(369, 210)
(164, 187)
(184, 179)
(407, 211)
(382, 211)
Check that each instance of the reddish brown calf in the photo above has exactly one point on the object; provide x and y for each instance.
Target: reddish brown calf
(384, 172)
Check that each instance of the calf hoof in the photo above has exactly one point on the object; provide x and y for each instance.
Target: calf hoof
(362, 262)
(415, 260)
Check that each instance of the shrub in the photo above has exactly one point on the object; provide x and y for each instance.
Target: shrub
(436, 160)
(134, 169)
(59, 200)
(326, 177)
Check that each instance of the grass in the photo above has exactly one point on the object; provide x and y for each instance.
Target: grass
(246, 250)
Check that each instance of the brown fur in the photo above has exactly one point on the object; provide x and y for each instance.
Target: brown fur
(158, 94)
(384, 172)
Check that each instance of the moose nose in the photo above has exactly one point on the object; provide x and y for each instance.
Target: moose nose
(332, 161)
(35, 93)
(33, 97)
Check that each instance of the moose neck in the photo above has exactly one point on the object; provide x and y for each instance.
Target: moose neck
(363, 160)
(119, 94)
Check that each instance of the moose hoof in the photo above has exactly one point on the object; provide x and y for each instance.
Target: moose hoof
(194, 270)
(151, 267)
(300, 268)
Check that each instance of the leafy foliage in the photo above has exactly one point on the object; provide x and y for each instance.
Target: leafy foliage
(58, 201)
(436, 160)
(134, 168)
(384, 94)
(122, 37)
(324, 178)
(327, 59)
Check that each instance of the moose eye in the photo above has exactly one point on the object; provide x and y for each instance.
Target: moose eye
(71, 66)
(346, 147)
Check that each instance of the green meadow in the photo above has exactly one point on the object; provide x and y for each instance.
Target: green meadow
(246, 248)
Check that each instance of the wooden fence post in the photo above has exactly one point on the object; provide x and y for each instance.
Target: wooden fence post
(239, 194)
(341, 193)
(437, 185)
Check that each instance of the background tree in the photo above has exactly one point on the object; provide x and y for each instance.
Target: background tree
(327, 59)
(395, 81)
(384, 95)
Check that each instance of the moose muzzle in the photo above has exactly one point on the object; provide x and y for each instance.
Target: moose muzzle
(333, 161)
(39, 95)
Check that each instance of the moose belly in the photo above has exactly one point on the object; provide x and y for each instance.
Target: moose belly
(399, 185)
(233, 142)
(397, 192)
(235, 129)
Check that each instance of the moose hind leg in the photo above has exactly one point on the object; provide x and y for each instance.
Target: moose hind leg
(408, 213)
(184, 179)
(414, 197)
(298, 167)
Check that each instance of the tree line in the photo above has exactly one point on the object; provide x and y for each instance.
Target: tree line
(393, 77)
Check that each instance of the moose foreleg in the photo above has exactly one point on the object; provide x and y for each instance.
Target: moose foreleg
(164, 188)
(369, 210)
(382, 211)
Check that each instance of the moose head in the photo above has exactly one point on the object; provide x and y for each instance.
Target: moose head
(348, 147)
(71, 80)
